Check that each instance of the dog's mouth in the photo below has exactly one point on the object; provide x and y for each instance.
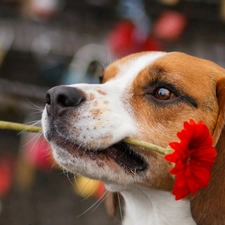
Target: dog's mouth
(121, 153)
(126, 157)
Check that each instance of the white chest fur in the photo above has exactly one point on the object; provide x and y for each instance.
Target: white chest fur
(152, 207)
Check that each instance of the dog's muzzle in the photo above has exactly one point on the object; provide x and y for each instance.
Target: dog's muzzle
(62, 106)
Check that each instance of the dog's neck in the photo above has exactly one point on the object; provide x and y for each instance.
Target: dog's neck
(153, 207)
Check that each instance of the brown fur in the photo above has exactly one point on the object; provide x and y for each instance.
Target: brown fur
(208, 206)
(163, 122)
(205, 82)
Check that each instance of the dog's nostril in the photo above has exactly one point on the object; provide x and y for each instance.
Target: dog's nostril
(64, 101)
(48, 99)
(70, 99)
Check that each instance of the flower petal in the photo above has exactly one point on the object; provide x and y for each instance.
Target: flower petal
(194, 157)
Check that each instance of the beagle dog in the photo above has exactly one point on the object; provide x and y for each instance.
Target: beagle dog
(146, 96)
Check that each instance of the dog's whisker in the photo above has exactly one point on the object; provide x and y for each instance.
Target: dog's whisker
(47, 154)
(90, 193)
(35, 107)
(82, 189)
(37, 122)
(54, 164)
(34, 137)
(63, 172)
(75, 180)
(105, 195)
(93, 205)
(34, 122)
(35, 114)
(69, 179)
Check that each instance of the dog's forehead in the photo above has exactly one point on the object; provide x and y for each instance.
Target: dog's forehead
(175, 62)
(129, 67)
(190, 67)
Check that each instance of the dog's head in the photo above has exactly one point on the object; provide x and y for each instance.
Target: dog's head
(146, 96)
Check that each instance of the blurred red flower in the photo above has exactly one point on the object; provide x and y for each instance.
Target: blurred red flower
(194, 157)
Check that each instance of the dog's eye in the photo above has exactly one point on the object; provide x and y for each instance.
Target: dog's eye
(163, 94)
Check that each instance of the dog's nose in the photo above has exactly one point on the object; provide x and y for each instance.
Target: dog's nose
(61, 97)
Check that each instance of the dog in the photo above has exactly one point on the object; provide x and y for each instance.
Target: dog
(147, 96)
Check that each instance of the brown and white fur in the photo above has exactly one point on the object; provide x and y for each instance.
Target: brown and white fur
(146, 96)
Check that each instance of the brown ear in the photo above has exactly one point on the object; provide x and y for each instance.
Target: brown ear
(208, 205)
(221, 116)
(111, 204)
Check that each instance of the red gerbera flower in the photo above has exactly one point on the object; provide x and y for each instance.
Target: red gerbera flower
(194, 157)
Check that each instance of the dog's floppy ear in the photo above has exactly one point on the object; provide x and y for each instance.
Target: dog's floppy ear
(221, 116)
(111, 204)
(207, 205)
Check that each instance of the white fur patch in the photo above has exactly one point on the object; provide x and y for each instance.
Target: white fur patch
(130, 69)
(154, 207)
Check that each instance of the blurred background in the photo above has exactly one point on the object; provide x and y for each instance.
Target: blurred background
(44, 43)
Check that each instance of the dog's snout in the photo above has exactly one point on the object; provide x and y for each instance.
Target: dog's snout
(61, 97)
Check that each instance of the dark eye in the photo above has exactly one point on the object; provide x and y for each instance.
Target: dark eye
(163, 94)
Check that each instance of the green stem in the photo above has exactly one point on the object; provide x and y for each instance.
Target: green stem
(35, 129)
(19, 127)
(148, 145)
